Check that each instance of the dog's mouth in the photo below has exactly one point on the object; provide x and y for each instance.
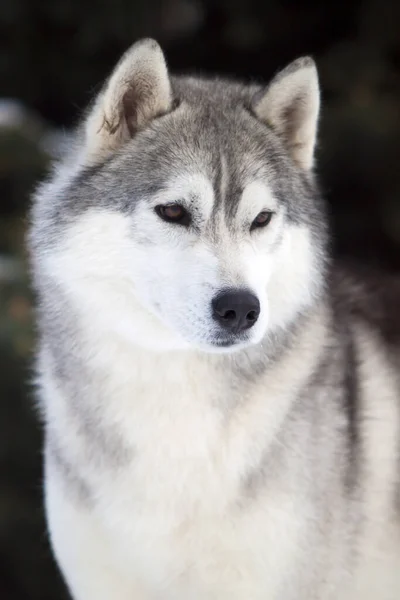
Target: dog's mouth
(230, 341)
(225, 343)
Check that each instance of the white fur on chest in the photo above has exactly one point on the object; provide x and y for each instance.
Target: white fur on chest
(176, 514)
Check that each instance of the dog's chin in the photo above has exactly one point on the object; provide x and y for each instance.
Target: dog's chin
(224, 348)
(223, 343)
(216, 345)
(227, 345)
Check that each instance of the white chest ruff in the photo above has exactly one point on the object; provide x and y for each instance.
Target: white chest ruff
(177, 514)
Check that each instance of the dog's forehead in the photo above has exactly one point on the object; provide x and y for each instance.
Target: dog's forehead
(202, 155)
(209, 136)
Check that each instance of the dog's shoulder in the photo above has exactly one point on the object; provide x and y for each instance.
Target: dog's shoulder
(369, 296)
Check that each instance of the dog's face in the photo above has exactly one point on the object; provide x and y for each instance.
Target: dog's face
(214, 227)
(204, 245)
(200, 227)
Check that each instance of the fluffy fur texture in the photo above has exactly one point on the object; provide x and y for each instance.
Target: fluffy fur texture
(185, 460)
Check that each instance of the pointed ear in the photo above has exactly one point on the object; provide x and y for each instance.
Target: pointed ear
(290, 105)
(137, 91)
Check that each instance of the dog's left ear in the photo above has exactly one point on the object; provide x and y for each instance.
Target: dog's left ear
(290, 106)
(137, 91)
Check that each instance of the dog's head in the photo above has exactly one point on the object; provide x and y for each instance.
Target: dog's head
(187, 215)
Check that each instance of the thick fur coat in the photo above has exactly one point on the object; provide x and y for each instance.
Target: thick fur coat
(221, 402)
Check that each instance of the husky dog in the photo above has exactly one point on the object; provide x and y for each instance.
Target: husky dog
(221, 402)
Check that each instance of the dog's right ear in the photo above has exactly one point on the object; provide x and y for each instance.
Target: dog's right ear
(137, 91)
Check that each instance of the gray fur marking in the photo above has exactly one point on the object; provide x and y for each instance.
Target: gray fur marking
(75, 485)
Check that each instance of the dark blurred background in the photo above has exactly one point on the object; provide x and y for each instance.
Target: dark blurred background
(54, 54)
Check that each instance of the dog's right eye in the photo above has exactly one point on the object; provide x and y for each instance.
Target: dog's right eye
(173, 213)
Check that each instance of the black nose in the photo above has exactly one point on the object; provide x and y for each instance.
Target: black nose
(236, 310)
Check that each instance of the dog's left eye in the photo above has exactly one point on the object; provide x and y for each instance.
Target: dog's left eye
(261, 220)
(173, 213)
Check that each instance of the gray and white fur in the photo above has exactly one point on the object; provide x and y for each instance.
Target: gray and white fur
(221, 402)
